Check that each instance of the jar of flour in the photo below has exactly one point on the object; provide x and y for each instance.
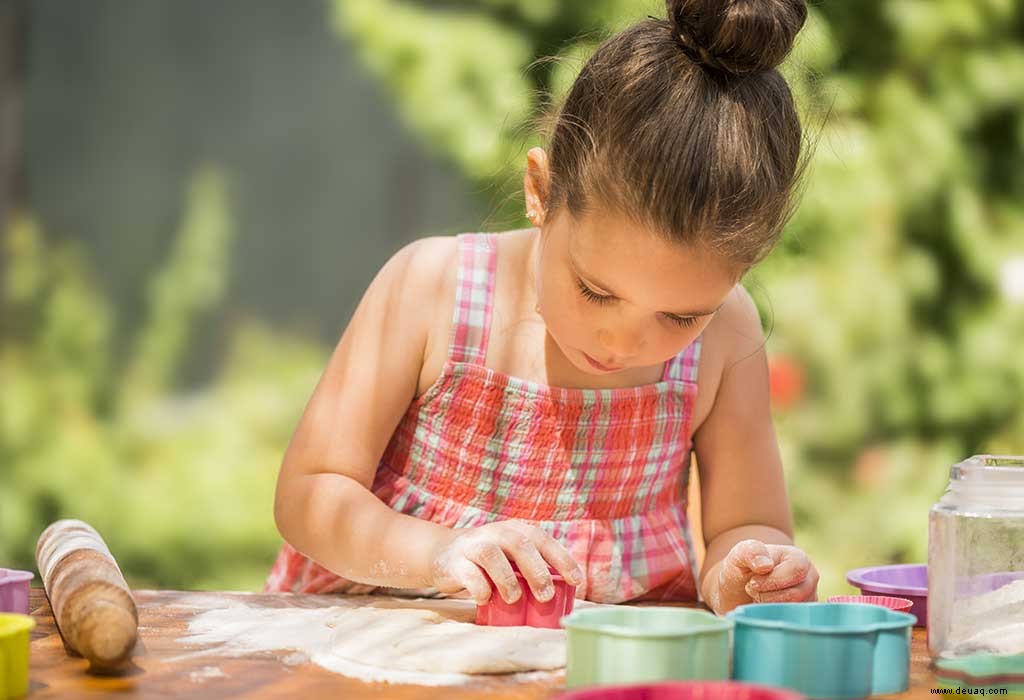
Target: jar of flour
(976, 560)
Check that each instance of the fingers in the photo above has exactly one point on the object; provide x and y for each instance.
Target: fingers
(473, 580)
(531, 564)
(753, 556)
(805, 591)
(550, 552)
(793, 569)
(490, 556)
(482, 557)
(456, 573)
(794, 579)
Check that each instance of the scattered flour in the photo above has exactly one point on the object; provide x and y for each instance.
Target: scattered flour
(423, 642)
(206, 673)
(991, 623)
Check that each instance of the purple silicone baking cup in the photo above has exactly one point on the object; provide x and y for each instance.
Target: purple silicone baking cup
(908, 581)
(14, 590)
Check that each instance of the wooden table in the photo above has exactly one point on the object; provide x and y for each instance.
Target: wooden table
(157, 673)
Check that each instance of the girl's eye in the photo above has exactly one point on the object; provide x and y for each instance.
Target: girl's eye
(682, 321)
(600, 299)
(590, 295)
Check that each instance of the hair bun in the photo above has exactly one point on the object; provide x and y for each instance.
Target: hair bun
(737, 36)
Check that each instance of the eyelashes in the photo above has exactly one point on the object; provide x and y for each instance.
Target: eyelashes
(590, 295)
(682, 321)
(602, 300)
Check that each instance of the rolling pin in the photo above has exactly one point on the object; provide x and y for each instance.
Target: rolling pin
(92, 605)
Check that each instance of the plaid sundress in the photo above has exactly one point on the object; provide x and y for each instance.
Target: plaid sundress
(604, 471)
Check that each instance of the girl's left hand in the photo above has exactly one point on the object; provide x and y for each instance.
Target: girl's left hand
(791, 579)
(764, 573)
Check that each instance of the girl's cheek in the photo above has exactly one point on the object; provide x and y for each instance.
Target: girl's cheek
(574, 322)
(563, 317)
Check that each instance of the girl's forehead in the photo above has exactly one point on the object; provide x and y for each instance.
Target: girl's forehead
(637, 265)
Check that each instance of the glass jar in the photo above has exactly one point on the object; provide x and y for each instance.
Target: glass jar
(976, 560)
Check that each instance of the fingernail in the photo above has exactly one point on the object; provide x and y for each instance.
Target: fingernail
(546, 594)
(762, 561)
(576, 577)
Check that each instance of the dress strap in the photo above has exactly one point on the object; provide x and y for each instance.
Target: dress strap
(683, 367)
(474, 298)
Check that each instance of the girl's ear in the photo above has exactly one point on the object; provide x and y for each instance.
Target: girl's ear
(536, 185)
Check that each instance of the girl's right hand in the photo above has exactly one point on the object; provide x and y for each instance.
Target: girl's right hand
(462, 559)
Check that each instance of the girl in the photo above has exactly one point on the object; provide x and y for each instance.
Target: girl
(532, 398)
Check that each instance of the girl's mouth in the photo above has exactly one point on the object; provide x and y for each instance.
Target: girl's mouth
(597, 365)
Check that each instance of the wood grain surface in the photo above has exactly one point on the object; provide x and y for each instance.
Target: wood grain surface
(163, 667)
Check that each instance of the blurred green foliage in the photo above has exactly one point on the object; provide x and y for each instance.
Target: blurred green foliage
(179, 482)
(885, 293)
(886, 290)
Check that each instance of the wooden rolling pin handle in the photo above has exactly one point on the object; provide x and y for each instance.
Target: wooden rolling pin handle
(107, 632)
(92, 604)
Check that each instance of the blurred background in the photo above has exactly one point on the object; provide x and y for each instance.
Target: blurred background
(194, 195)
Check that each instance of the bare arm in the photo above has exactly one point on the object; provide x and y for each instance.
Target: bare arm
(323, 504)
(743, 491)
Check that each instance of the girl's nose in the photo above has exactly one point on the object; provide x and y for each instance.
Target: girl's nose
(622, 344)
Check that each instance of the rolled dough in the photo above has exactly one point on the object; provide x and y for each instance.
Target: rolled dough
(423, 640)
(398, 640)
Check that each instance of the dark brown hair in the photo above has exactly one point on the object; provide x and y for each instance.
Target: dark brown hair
(686, 126)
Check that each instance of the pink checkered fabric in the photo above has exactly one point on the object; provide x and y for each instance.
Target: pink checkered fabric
(604, 471)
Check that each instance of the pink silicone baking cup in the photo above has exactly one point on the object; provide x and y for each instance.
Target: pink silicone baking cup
(897, 604)
(14, 590)
(682, 690)
(528, 610)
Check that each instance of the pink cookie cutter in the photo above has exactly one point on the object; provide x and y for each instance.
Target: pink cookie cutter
(897, 604)
(14, 590)
(527, 610)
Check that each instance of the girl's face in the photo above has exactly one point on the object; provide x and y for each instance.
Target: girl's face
(614, 296)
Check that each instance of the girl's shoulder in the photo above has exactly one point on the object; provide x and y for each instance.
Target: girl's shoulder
(439, 260)
(429, 264)
(733, 337)
(420, 277)
(429, 274)
(736, 328)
